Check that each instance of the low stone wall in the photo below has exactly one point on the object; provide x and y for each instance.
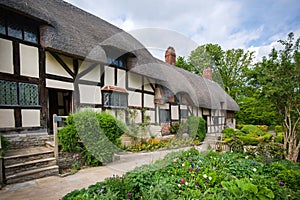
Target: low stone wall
(66, 160)
(25, 140)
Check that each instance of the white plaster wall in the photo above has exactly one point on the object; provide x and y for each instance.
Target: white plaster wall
(164, 106)
(59, 84)
(7, 118)
(138, 118)
(151, 113)
(93, 75)
(53, 67)
(184, 107)
(147, 85)
(29, 61)
(134, 81)
(68, 61)
(30, 118)
(200, 112)
(109, 75)
(205, 112)
(134, 99)
(149, 101)
(174, 113)
(121, 115)
(6, 56)
(121, 78)
(90, 94)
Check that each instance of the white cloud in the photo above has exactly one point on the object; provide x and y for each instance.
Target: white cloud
(231, 24)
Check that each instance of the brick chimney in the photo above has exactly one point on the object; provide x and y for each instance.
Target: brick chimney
(170, 56)
(207, 73)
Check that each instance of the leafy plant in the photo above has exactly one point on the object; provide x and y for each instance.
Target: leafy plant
(252, 130)
(196, 127)
(4, 145)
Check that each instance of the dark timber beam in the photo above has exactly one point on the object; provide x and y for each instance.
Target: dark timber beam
(63, 64)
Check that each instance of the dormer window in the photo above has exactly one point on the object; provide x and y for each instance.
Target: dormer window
(117, 62)
(20, 27)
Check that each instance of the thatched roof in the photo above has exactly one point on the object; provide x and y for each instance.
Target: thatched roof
(72, 31)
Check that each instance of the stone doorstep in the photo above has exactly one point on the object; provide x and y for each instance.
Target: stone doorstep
(30, 151)
(30, 163)
(32, 174)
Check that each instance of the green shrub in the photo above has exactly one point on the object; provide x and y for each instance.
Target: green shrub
(278, 139)
(279, 129)
(174, 127)
(236, 145)
(248, 140)
(252, 130)
(239, 126)
(4, 145)
(228, 132)
(262, 127)
(196, 127)
(89, 128)
(266, 138)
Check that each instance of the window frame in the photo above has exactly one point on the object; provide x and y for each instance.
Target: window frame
(25, 24)
(113, 98)
(167, 115)
(19, 94)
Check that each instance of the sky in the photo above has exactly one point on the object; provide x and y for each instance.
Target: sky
(254, 25)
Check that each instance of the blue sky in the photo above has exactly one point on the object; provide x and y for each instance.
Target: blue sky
(253, 25)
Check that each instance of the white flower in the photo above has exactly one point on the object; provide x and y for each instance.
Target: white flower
(254, 169)
(246, 157)
(179, 185)
(251, 179)
(204, 176)
(182, 164)
(210, 178)
(186, 183)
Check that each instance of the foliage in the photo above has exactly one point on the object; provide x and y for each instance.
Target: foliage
(196, 127)
(249, 140)
(262, 127)
(252, 130)
(93, 134)
(210, 175)
(4, 145)
(236, 145)
(229, 67)
(256, 110)
(278, 79)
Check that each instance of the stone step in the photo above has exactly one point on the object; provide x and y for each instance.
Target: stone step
(28, 154)
(32, 174)
(49, 144)
(30, 165)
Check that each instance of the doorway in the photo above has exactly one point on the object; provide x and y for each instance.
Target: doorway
(60, 103)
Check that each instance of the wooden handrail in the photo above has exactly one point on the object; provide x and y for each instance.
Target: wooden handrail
(1, 165)
(56, 119)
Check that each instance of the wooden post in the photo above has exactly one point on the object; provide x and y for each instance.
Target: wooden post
(55, 137)
(1, 166)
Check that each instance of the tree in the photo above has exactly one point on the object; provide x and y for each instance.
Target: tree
(278, 79)
(229, 67)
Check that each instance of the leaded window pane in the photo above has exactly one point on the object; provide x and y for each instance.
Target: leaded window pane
(30, 34)
(164, 116)
(8, 93)
(14, 29)
(28, 94)
(2, 25)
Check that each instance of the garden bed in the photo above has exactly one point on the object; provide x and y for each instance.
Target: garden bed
(190, 175)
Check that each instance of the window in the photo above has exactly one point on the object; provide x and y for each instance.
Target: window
(23, 94)
(117, 62)
(164, 115)
(115, 99)
(8, 93)
(184, 114)
(19, 27)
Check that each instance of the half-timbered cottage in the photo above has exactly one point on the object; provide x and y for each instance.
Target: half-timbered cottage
(56, 58)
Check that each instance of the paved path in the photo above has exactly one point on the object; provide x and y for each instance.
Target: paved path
(55, 187)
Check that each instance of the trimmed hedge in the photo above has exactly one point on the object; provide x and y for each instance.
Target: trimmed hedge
(252, 130)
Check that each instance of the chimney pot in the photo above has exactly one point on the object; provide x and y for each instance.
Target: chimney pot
(170, 56)
(207, 73)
